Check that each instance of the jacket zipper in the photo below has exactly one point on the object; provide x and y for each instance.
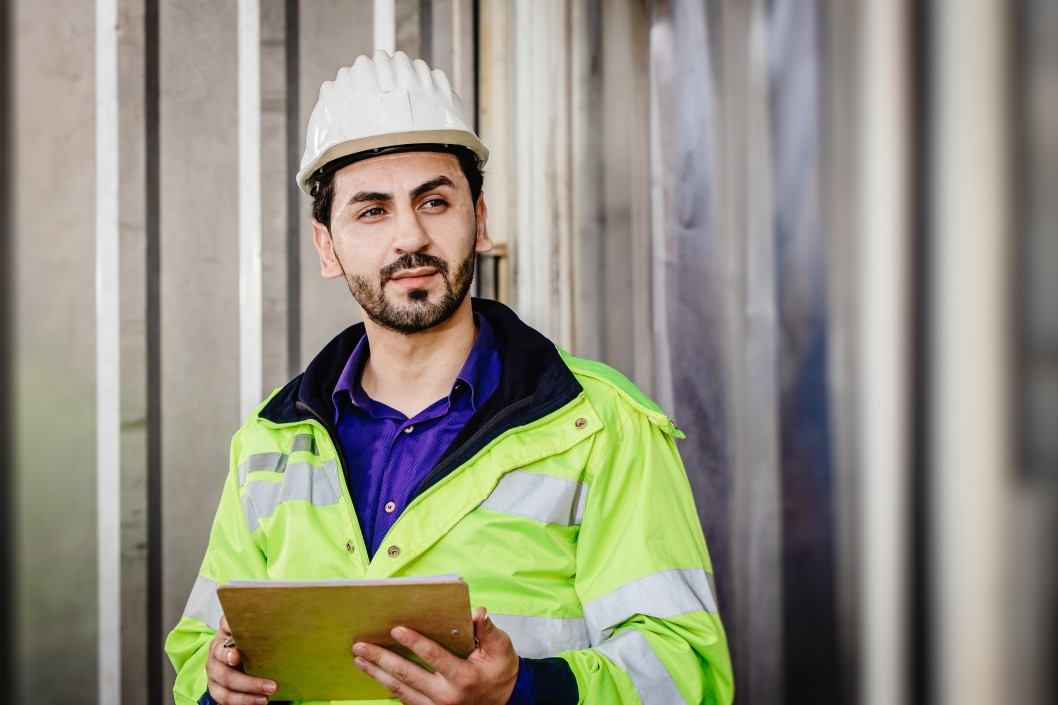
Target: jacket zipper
(342, 464)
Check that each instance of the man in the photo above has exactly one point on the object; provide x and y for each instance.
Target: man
(446, 436)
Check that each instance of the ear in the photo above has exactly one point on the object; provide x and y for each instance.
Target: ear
(482, 243)
(330, 267)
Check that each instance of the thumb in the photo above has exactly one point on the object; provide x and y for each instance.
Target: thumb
(484, 630)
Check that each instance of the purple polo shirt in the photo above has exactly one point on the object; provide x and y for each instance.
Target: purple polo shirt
(388, 454)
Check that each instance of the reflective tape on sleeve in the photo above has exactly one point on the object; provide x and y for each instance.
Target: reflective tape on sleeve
(546, 498)
(203, 603)
(301, 481)
(540, 637)
(276, 462)
(662, 595)
(631, 651)
(304, 442)
(270, 462)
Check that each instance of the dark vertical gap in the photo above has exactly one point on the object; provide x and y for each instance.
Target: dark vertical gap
(426, 30)
(1021, 168)
(8, 672)
(919, 651)
(293, 91)
(155, 634)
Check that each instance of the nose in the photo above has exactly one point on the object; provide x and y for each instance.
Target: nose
(411, 234)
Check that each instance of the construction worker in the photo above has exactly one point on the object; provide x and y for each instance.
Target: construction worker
(443, 435)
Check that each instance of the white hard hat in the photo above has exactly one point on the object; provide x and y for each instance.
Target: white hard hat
(383, 102)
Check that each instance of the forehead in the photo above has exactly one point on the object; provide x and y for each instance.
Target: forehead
(397, 173)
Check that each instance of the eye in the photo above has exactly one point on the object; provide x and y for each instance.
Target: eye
(371, 213)
(434, 203)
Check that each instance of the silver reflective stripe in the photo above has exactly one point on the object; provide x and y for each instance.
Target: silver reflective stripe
(662, 595)
(546, 498)
(203, 604)
(304, 441)
(302, 481)
(540, 637)
(276, 462)
(273, 462)
(631, 651)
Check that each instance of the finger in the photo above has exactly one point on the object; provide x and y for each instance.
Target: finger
(438, 657)
(224, 696)
(224, 625)
(401, 689)
(483, 626)
(239, 682)
(225, 654)
(236, 680)
(491, 639)
(399, 668)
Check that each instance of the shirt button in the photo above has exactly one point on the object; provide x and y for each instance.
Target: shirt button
(409, 429)
(390, 506)
(350, 546)
(393, 551)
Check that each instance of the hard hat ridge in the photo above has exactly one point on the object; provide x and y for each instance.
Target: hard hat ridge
(382, 103)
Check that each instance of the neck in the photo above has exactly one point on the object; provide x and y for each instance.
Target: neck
(410, 372)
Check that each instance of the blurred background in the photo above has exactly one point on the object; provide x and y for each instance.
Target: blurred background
(822, 234)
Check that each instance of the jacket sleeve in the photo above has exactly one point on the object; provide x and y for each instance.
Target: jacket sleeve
(645, 580)
(231, 554)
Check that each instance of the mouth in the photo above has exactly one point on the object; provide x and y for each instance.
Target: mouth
(414, 278)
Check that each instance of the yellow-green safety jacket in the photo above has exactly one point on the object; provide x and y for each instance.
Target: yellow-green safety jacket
(563, 505)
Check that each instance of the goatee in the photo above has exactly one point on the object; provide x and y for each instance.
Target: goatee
(418, 313)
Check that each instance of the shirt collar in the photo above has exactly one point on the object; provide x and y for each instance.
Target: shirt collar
(480, 372)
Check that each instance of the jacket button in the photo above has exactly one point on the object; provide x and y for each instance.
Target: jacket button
(393, 551)
(580, 423)
(350, 546)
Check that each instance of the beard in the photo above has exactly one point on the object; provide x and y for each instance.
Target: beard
(417, 313)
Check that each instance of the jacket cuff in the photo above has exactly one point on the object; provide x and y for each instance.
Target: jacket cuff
(545, 681)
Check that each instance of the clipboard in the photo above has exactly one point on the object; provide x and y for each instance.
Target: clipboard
(301, 634)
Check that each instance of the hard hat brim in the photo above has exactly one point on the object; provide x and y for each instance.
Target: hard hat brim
(376, 145)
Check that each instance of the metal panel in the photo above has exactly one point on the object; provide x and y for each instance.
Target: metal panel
(199, 277)
(713, 344)
(54, 354)
(803, 359)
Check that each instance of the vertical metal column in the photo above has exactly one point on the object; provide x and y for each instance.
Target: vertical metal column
(971, 453)
(250, 339)
(385, 25)
(883, 346)
(108, 362)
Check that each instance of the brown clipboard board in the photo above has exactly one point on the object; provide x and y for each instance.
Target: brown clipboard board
(301, 634)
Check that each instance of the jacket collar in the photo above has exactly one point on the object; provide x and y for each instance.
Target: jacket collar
(534, 381)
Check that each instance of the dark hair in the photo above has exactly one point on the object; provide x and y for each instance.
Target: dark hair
(323, 179)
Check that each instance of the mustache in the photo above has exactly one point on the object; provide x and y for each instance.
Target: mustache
(413, 260)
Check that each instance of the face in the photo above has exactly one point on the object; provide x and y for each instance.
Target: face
(403, 234)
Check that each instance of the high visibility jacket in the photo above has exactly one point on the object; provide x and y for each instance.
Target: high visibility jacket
(563, 505)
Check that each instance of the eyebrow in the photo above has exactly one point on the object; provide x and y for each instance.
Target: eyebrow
(372, 196)
(367, 196)
(431, 185)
